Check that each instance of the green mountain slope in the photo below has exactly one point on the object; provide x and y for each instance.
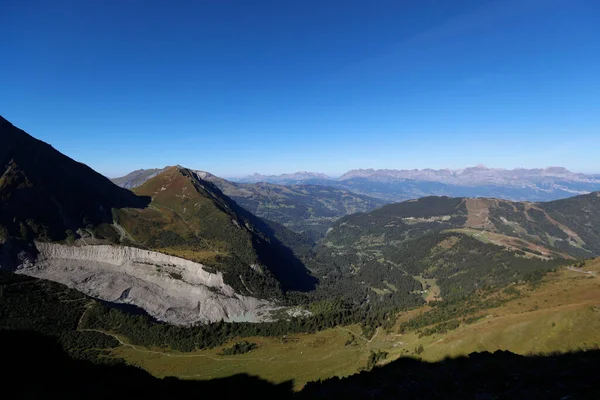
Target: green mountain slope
(557, 314)
(454, 245)
(191, 218)
(44, 331)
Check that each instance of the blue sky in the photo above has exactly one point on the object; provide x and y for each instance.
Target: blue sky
(237, 87)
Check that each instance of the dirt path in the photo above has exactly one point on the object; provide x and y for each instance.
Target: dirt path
(122, 232)
(87, 307)
(582, 271)
(360, 336)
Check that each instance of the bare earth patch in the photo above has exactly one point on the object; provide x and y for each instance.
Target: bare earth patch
(478, 214)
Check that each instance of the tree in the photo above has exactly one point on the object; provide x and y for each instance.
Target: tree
(419, 350)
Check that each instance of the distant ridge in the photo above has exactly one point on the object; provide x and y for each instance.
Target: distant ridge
(519, 184)
(445, 175)
(136, 178)
(296, 177)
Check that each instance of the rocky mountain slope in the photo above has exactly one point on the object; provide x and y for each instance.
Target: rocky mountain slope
(303, 208)
(456, 244)
(170, 289)
(540, 184)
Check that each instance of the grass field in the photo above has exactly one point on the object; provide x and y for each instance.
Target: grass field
(507, 241)
(560, 314)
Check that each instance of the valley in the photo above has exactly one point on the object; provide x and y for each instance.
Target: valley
(560, 314)
(199, 278)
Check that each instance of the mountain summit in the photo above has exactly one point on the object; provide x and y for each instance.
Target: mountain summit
(190, 217)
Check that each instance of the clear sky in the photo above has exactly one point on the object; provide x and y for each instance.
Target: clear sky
(237, 87)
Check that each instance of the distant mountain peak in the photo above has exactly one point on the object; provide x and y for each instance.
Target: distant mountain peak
(557, 170)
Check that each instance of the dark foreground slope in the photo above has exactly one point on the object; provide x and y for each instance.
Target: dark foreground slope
(45, 194)
(49, 348)
(39, 367)
(499, 375)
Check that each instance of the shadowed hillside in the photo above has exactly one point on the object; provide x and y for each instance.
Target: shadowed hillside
(45, 194)
(499, 375)
(40, 367)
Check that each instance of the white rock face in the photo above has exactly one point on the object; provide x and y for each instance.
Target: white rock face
(171, 289)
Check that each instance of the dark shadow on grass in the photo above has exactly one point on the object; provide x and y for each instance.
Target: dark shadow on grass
(499, 375)
(36, 365)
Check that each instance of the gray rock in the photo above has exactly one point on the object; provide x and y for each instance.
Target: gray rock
(171, 289)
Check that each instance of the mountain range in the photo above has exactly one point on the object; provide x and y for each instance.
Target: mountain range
(541, 184)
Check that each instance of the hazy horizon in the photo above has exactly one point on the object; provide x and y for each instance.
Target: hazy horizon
(337, 175)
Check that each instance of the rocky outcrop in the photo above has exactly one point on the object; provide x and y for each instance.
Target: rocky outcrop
(171, 289)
